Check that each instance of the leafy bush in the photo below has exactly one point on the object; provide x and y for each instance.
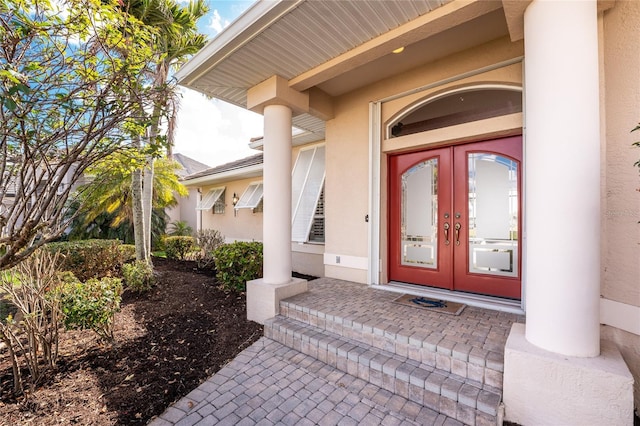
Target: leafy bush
(88, 258)
(237, 263)
(128, 252)
(208, 240)
(177, 247)
(138, 276)
(91, 305)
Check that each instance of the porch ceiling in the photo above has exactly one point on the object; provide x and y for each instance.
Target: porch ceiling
(335, 46)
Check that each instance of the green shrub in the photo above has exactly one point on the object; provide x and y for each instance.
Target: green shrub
(91, 305)
(128, 252)
(88, 258)
(138, 276)
(208, 241)
(237, 263)
(177, 247)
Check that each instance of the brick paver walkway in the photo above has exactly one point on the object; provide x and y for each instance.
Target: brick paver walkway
(287, 380)
(269, 384)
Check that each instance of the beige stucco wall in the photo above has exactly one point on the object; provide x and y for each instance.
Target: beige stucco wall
(245, 225)
(347, 194)
(620, 79)
(174, 214)
(188, 208)
(621, 203)
(185, 210)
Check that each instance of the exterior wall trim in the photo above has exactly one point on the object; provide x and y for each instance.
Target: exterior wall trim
(454, 78)
(240, 173)
(345, 261)
(311, 248)
(375, 141)
(620, 315)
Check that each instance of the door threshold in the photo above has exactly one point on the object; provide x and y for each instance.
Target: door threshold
(477, 300)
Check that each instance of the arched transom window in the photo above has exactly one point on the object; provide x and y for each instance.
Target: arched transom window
(457, 107)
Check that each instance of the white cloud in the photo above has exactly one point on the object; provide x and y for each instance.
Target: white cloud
(217, 22)
(214, 132)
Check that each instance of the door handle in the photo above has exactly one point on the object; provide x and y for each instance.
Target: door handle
(446, 227)
(457, 228)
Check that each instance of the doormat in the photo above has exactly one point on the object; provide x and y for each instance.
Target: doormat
(434, 305)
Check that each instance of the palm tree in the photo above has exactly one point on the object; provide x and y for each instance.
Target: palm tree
(177, 38)
(107, 199)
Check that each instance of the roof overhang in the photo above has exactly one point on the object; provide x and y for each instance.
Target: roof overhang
(324, 49)
(228, 176)
(244, 29)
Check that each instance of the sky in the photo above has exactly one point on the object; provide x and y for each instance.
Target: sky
(213, 131)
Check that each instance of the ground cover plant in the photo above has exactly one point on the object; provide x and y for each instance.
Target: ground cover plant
(167, 341)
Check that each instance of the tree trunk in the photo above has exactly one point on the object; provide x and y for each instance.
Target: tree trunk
(138, 212)
(147, 203)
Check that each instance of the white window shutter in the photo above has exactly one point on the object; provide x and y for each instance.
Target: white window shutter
(210, 199)
(251, 196)
(307, 181)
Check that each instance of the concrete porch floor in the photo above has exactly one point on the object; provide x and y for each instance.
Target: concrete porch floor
(284, 379)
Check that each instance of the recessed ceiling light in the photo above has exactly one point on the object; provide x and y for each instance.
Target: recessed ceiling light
(398, 50)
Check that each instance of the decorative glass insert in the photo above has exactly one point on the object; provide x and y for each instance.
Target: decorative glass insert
(419, 216)
(457, 108)
(493, 215)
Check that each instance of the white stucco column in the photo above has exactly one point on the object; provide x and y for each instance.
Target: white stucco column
(562, 186)
(276, 233)
(278, 103)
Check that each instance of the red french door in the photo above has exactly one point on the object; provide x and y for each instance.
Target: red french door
(455, 217)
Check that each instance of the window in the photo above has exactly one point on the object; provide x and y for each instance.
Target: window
(251, 197)
(218, 206)
(316, 235)
(307, 184)
(213, 197)
(457, 108)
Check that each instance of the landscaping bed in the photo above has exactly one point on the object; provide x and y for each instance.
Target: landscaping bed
(168, 341)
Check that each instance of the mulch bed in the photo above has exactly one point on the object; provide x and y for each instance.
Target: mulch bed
(168, 341)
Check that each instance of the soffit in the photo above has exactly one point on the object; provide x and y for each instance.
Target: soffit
(307, 36)
(291, 38)
(477, 31)
(299, 36)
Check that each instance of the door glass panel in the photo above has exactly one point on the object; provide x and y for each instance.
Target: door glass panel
(493, 215)
(420, 215)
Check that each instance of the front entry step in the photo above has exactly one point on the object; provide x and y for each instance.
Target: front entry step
(471, 350)
(468, 401)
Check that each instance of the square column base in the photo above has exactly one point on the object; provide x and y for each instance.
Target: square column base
(545, 388)
(263, 299)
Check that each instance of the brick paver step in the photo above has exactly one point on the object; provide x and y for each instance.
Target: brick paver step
(458, 345)
(469, 401)
(271, 384)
